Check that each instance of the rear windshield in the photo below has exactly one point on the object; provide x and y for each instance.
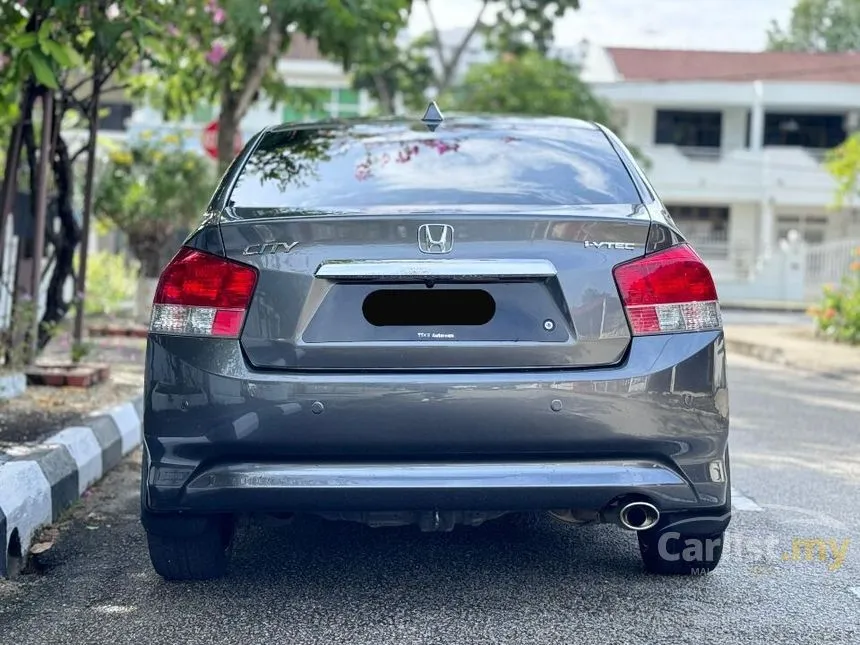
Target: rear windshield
(315, 168)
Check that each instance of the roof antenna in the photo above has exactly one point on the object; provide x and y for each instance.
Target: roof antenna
(432, 117)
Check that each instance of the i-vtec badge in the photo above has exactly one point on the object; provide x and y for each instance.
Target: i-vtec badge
(271, 247)
(624, 246)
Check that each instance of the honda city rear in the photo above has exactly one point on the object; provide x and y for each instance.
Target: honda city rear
(385, 323)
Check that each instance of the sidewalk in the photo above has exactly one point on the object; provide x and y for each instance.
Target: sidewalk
(56, 442)
(795, 346)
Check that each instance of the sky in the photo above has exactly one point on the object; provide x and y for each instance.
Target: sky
(675, 24)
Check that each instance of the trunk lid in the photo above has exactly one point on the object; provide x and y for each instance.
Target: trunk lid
(517, 289)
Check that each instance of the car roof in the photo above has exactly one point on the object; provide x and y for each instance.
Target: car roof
(457, 122)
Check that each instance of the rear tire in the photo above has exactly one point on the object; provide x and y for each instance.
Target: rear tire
(669, 553)
(203, 555)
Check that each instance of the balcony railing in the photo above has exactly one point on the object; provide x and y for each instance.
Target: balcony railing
(701, 153)
(788, 176)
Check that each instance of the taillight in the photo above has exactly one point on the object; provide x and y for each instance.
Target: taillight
(200, 294)
(668, 291)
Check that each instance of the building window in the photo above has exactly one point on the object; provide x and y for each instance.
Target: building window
(804, 130)
(115, 116)
(812, 228)
(702, 224)
(689, 128)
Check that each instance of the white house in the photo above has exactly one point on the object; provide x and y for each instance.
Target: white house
(736, 142)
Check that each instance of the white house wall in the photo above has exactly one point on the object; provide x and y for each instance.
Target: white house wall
(734, 127)
(707, 95)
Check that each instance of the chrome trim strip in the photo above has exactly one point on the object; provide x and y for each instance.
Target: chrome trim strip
(405, 269)
(633, 474)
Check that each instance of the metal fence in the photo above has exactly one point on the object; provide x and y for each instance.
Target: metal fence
(7, 278)
(827, 263)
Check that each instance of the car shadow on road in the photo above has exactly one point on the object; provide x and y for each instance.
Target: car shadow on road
(328, 562)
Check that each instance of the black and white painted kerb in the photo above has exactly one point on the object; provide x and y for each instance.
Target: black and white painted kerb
(38, 482)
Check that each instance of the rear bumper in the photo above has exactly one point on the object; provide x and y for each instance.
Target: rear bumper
(222, 438)
(387, 487)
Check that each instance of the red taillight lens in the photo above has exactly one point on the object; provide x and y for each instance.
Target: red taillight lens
(668, 291)
(200, 294)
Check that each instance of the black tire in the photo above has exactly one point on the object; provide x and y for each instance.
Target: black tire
(203, 555)
(669, 553)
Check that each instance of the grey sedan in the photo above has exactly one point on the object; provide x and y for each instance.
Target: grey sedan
(442, 323)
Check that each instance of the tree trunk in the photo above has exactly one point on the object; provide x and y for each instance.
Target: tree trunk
(236, 103)
(152, 250)
(386, 98)
(228, 125)
(449, 65)
(22, 302)
(89, 189)
(65, 242)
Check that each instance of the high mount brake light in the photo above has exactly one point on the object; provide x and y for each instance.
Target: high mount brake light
(668, 291)
(200, 294)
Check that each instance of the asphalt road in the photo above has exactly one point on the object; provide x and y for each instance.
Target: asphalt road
(796, 461)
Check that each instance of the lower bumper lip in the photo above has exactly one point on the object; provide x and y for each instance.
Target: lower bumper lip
(380, 486)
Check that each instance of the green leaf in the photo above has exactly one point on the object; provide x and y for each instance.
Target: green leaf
(56, 51)
(42, 69)
(24, 41)
(44, 34)
(74, 56)
(85, 37)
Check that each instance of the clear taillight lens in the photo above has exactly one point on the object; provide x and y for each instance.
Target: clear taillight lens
(668, 291)
(200, 294)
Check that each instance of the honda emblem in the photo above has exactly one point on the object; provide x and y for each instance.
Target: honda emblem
(435, 238)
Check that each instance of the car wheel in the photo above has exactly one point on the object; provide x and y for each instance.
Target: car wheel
(203, 555)
(667, 552)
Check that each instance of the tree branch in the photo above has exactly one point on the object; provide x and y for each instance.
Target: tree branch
(100, 79)
(77, 155)
(70, 101)
(437, 39)
(449, 68)
(274, 38)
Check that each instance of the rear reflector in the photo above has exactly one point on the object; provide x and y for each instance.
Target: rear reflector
(668, 291)
(200, 294)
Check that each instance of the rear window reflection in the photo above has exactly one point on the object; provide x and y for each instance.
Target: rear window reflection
(334, 168)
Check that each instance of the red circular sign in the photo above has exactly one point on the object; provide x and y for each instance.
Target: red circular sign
(210, 140)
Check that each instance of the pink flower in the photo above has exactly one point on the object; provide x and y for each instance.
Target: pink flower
(218, 16)
(217, 53)
(4, 59)
(172, 30)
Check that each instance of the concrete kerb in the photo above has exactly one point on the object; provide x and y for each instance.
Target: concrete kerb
(766, 353)
(38, 483)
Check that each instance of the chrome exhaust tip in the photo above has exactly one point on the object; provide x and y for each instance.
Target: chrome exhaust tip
(638, 516)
